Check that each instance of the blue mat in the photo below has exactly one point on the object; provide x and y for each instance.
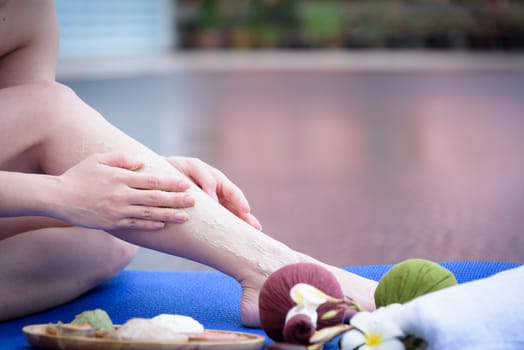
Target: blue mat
(210, 297)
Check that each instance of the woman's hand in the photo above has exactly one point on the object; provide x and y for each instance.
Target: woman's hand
(217, 185)
(105, 192)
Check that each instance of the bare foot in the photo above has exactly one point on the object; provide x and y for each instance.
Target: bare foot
(249, 305)
(359, 288)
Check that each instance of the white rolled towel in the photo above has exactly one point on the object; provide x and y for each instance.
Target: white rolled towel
(485, 314)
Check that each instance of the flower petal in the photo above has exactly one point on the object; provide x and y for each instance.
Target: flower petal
(328, 333)
(351, 339)
(301, 310)
(306, 293)
(390, 330)
(371, 323)
(390, 344)
(363, 321)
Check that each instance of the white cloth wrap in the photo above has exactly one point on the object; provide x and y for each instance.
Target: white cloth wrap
(485, 314)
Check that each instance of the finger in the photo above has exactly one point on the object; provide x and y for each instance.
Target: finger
(156, 198)
(137, 224)
(154, 182)
(251, 220)
(157, 214)
(203, 175)
(232, 197)
(120, 160)
(177, 162)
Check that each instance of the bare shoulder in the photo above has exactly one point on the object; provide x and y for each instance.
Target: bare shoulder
(28, 35)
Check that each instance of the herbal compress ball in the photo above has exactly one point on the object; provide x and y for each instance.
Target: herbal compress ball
(410, 279)
(298, 330)
(274, 300)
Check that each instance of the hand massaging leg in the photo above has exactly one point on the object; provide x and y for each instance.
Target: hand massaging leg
(66, 130)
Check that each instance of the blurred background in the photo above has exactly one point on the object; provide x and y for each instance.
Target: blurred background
(362, 132)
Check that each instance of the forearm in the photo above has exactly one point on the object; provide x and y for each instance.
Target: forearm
(23, 194)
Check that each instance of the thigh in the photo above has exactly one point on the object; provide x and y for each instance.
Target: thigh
(45, 126)
(44, 268)
(16, 225)
(22, 128)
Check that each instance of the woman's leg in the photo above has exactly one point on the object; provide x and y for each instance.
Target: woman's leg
(69, 130)
(43, 268)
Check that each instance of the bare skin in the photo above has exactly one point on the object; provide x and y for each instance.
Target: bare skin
(70, 159)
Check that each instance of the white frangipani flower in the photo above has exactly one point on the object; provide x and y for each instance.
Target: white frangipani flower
(372, 334)
(308, 299)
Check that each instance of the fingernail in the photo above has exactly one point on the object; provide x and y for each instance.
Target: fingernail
(139, 164)
(158, 225)
(183, 184)
(181, 216)
(257, 223)
(189, 200)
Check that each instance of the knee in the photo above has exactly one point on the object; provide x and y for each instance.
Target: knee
(98, 256)
(106, 261)
(50, 91)
(126, 253)
(52, 101)
(113, 260)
